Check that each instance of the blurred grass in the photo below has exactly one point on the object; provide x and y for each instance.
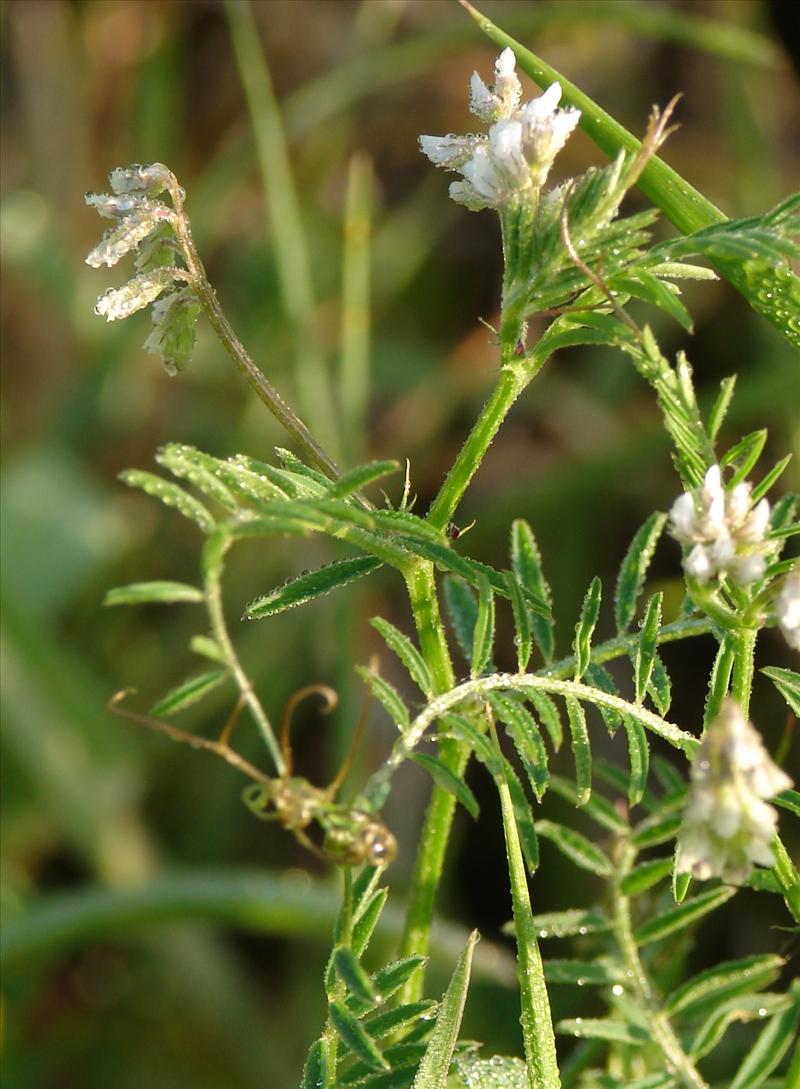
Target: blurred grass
(90, 805)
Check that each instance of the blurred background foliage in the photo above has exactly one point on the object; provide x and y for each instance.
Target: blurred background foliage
(215, 981)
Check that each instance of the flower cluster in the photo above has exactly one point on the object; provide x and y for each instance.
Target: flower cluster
(146, 227)
(788, 609)
(515, 157)
(728, 825)
(725, 533)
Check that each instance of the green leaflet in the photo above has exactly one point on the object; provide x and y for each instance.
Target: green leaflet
(526, 564)
(738, 1010)
(634, 568)
(596, 1028)
(407, 653)
(172, 495)
(770, 1047)
(523, 639)
(562, 924)
(311, 585)
(388, 696)
(646, 648)
(435, 1065)
(448, 780)
(719, 409)
(639, 756)
(656, 829)
(584, 629)
(356, 479)
(166, 593)
(483, 632)
(683, 915)
(576, 847)
(770, 479)
(719, 681)
(188, 693)
(642, 284)
(462, 610)
(199, 469)
(365, 922)
(548, 713)
(355, 1037)
(389, 979)
(524, 732)
(715, 985)
(523, 820)
(349, 970)
(581, 749)
(594, 972)
(645, 875)
(597, 807)
(317, 1066)
(743, 456)
(788, 684)
(390, 1022)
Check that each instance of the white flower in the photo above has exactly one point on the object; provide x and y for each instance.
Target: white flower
(788, 609)
(135, 294)
(545, 130)
(728, 825)
(726, 533)
(516, 155)
(501, 100)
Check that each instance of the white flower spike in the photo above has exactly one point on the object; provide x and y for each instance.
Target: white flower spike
(514, 159)
(728, 826)
(726, 534)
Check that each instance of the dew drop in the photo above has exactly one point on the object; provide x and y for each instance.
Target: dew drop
(618, 989)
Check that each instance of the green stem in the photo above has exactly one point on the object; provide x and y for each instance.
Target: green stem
(214, 552)
(536, 1019)
(743, 667)
(429, 862)
(661, 1029)
(509, 386)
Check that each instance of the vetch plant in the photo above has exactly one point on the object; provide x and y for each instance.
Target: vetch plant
(670, 847)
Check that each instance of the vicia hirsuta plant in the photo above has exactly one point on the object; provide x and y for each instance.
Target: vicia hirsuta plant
(671, 847)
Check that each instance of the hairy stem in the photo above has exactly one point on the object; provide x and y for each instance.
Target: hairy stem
(660, 1027)
(429, 862)
(214, 552)
(743, 667)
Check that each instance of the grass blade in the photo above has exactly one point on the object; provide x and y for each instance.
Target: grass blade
(435, 1065)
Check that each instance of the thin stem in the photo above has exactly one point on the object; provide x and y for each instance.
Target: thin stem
(262, 387)
(660, 1027)
(215, 550)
